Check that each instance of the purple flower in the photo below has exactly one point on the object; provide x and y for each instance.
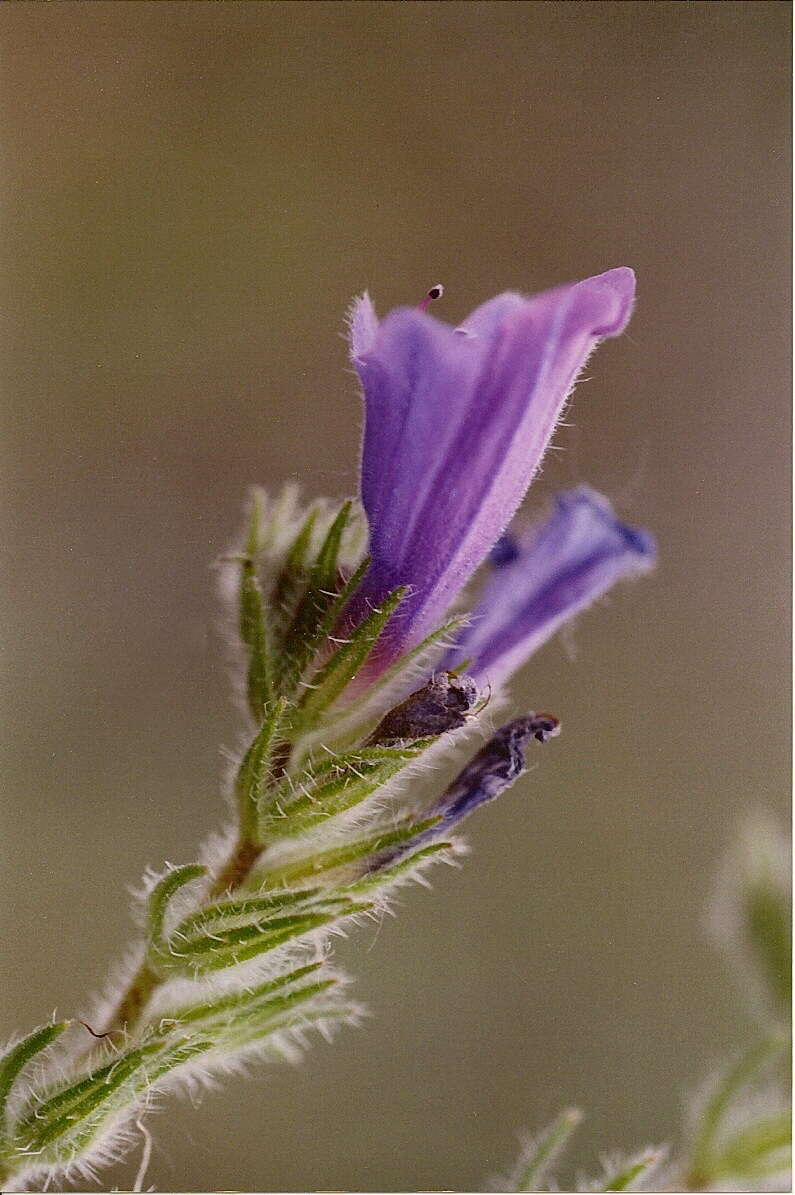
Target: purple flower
(456, 423)
(542, 581)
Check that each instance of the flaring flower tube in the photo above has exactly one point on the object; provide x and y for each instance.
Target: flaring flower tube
(457, 421)
(564, 565)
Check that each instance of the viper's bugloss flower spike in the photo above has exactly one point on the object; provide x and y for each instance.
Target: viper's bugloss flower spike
(457, 421)
(542, 581)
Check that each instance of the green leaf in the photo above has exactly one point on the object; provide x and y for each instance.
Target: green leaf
(161, 895)
(254, 536)
(343, 782)
(254, 772)
(232, 914)
(17, 1058)
(345, 855)
(542, 1152)
(63, 1125)
(336, 674)
(386, 876)
(46, 1117)
(229, 947)
(229, 1004)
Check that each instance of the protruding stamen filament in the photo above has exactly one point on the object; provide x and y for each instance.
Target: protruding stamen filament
(433, 294)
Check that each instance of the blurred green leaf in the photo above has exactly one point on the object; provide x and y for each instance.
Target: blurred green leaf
(542, 1152)
(628, 1174)
(761, 1147)
(733, 1083)
(769, 917)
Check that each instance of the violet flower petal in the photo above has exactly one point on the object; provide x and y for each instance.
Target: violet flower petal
(456, 424)
(563, 566)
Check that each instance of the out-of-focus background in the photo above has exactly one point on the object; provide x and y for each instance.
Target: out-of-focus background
(192, 192)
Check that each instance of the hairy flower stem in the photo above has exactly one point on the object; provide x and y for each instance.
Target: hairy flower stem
(230, 876)
(131, 1005)
(236, 868)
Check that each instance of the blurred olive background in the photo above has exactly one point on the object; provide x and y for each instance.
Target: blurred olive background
(192, 193)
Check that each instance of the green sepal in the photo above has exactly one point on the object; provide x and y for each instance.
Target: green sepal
(255, 769)
(345, 855)
(326, 685)
(17, 1058)
(246, 1011)
(358, 720)
(302, 638)
(344, 781)
(161, 895)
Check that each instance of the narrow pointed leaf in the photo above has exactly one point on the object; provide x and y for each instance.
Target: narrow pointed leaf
(294, 575)
(227, 910)
(383, 878)
(346, 781)
(255, 769)
(17, 1058)
(357, 852)
(228, 947)
(336, 674)
(162, 894)
(229, 1004)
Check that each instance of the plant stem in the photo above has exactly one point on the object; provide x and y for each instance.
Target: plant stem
(230, 876)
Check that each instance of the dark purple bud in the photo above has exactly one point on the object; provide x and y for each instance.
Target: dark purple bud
(444, 703)
(493, 769)
(489, 773)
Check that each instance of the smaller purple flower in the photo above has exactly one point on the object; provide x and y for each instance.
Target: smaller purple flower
(540, 582)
